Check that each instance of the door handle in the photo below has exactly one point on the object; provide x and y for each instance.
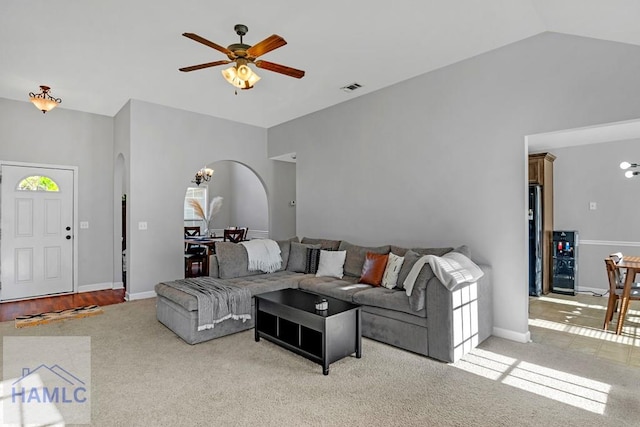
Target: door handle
(68, 228)
(68, 237)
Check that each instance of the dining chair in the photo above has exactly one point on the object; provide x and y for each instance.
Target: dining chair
(194, 260)
(190, 231)
(233, 235)
(245, 231)
(194, 255)
(616, 287)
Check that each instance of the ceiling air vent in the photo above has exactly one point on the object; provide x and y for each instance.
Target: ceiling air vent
(351, 87)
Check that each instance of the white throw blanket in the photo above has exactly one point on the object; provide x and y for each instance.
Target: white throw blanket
(451, 269)
(264, 255)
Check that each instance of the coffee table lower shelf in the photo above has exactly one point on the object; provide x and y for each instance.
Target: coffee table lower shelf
(322, 338)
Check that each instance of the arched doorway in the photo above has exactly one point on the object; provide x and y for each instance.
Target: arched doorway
(244, 204)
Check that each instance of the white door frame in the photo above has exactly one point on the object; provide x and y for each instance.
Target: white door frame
(75, 208)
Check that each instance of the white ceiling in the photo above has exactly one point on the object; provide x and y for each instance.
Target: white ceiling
(96, 55)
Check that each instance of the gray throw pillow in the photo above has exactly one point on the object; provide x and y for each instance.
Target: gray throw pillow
(418, 297)
(298, 256)
(285, 247)
(410, 258)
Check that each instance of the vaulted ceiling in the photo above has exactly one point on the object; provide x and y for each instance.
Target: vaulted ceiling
(96, 55)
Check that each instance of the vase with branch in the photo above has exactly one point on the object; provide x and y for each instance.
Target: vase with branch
(207, 217)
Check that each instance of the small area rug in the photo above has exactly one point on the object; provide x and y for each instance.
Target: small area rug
(54, 316)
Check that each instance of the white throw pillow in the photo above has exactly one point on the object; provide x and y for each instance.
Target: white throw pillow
(331, 264)
(390, 277)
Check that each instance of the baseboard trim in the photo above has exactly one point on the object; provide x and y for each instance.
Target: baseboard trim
(512, 335)
(96, 287)
(139, 295)
(609, 243)
(118, 285)
(598, 291)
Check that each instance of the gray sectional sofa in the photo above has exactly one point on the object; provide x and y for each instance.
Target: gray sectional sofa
(433, 321)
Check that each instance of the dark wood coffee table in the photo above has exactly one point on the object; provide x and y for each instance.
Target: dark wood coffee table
(289, 318)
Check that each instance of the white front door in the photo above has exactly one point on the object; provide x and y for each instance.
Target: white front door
(37, 231)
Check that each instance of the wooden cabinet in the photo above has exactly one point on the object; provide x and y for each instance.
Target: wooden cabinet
(541, 173)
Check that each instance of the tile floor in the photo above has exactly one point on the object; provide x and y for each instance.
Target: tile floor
(575, 322)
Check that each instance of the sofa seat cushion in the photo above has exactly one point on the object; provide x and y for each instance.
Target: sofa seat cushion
(183, 299)
(268, 282)
(391, 299)
(259, 284)
(342, 289)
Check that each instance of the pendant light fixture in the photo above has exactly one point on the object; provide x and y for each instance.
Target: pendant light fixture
(43, 100)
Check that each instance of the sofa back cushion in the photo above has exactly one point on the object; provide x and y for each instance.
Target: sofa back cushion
(326, 244)
(400, 251)
(356, 255)
(233, 261)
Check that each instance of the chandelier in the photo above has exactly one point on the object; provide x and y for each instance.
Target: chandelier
(629, 173)
(203, 175)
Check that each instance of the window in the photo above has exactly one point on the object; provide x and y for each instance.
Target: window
(38, 183)
(195, 193)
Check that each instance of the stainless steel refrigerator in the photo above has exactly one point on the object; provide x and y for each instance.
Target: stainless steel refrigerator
(535, 240)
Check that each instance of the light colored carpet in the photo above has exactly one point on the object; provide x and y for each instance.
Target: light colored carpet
(143, 374)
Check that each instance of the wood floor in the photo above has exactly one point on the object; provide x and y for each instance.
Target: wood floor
(10, 310)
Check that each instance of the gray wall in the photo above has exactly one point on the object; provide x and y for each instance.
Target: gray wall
(222, 185)
(250, 208)
(440, 159)
(71, 138)
(167, 147)
(591, 173)
(284, 191)
(244, 198)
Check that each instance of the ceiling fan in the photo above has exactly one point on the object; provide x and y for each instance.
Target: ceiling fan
(240, 75)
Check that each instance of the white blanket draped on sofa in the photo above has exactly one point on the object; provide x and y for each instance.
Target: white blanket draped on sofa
(264, 255)
(451, 269)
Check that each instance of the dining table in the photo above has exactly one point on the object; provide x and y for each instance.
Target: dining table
(632, 266)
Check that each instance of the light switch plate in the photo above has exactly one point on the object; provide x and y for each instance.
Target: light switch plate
(593, 206)
(84, 224)
(142, 225)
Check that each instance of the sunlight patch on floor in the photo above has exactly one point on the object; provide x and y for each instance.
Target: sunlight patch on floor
(13, 412)
(575, 303)
(583, 331)
(581, 392)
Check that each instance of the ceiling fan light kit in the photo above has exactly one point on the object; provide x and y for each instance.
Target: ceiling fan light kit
(240, 74)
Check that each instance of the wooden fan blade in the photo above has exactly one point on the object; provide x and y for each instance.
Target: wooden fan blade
(282, 69)
(267, 45)
(207, 65)
(206, 42)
